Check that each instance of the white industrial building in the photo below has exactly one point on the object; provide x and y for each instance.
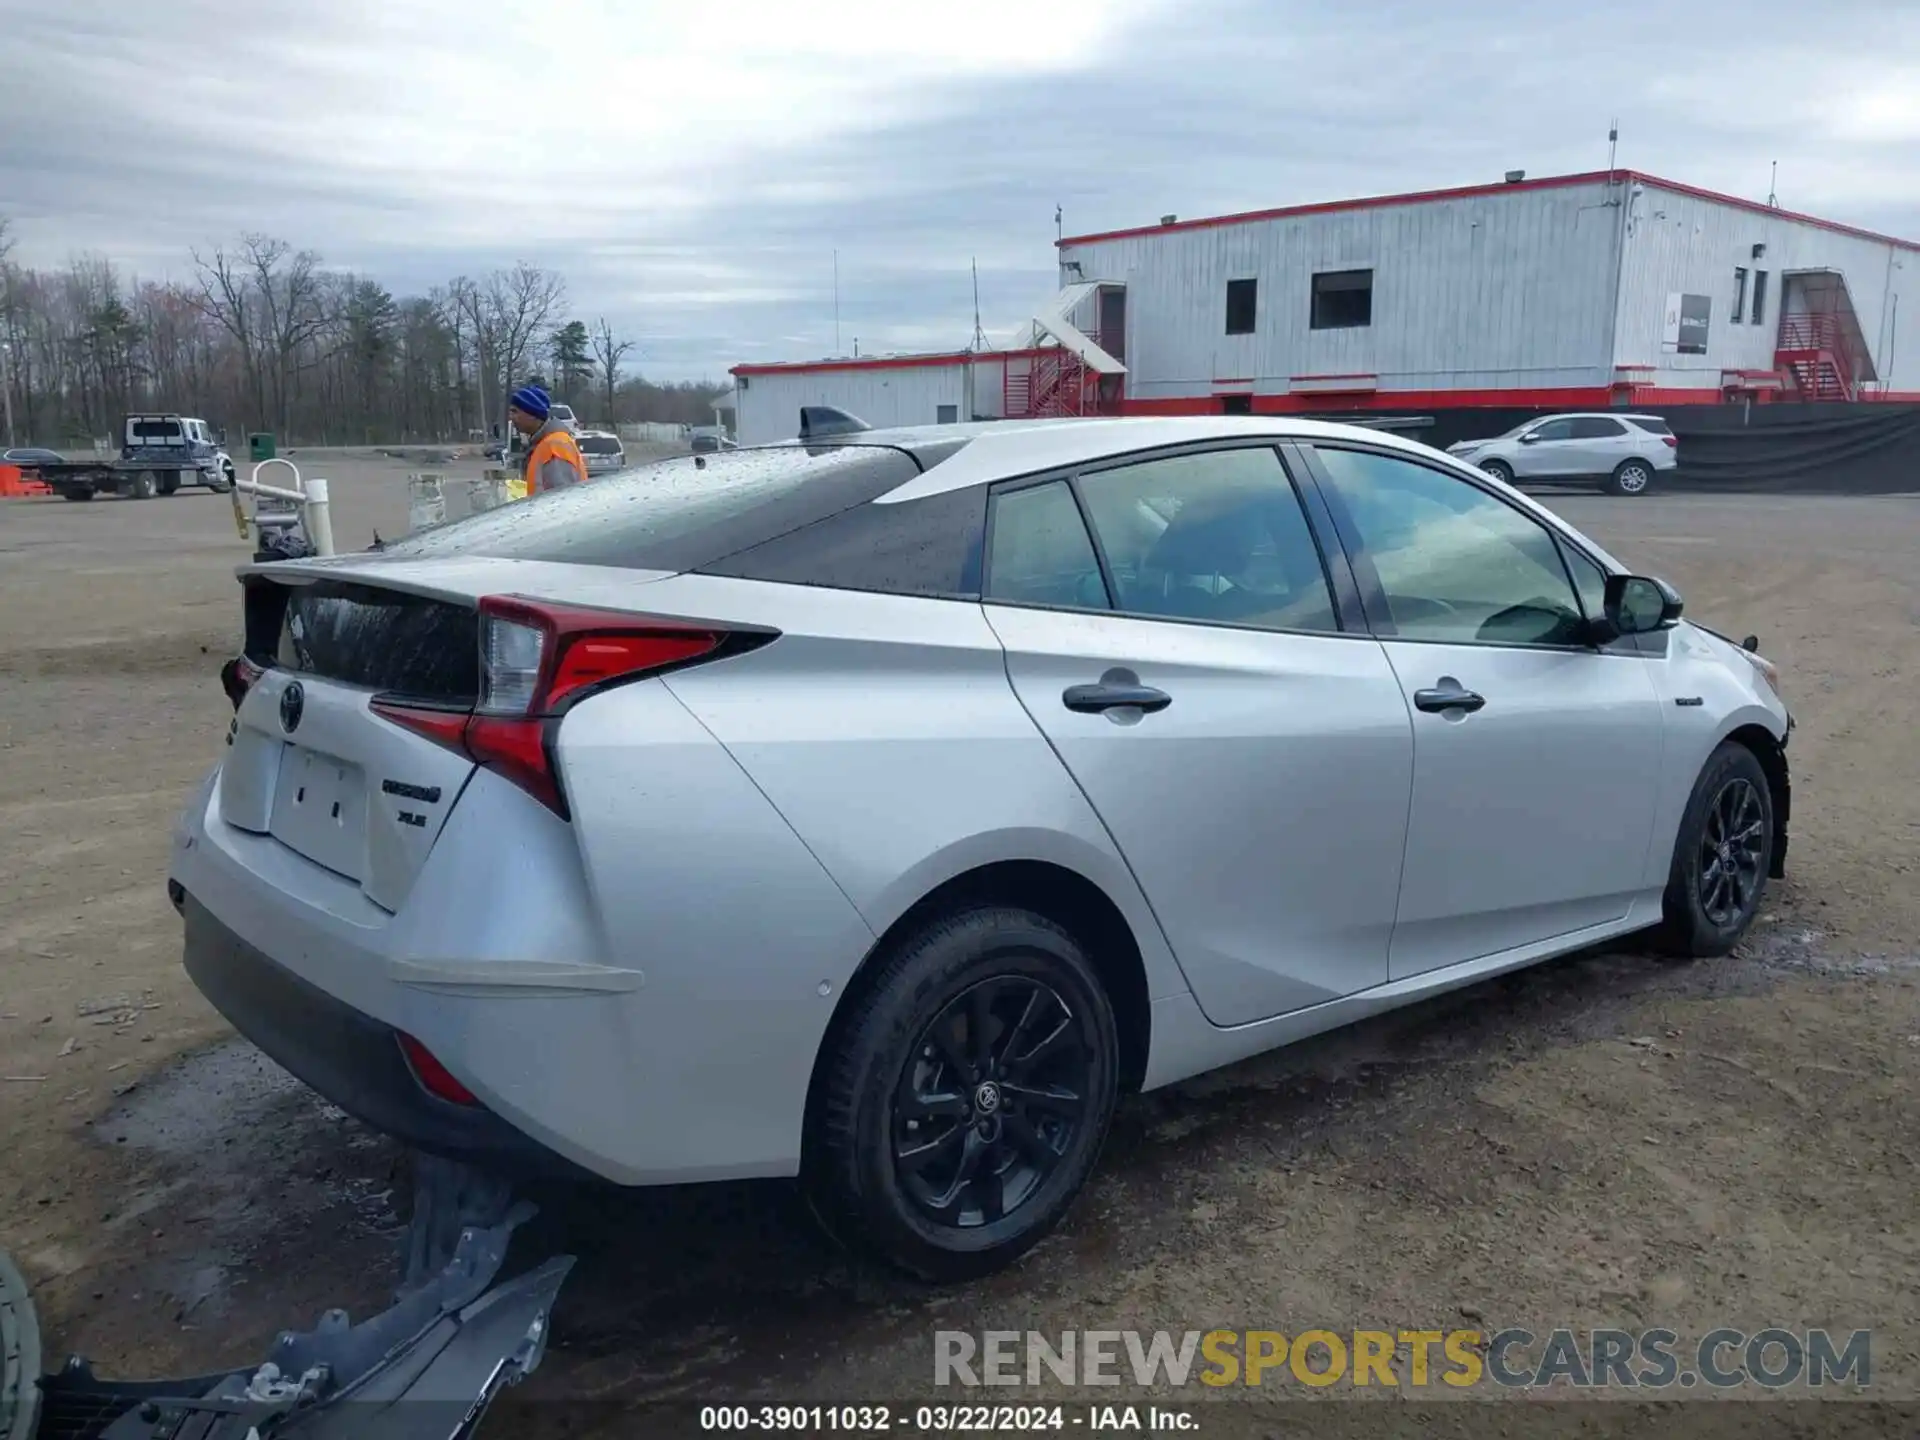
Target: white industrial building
(1566, 292)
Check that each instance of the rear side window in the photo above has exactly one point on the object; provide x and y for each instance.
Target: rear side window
(1597, 427)
(156, 432)
(1042, 554)
(927, 547)
(1649, 424)
(599, 445)
(675, 515)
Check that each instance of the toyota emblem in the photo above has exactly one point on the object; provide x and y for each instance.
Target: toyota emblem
(293, 704)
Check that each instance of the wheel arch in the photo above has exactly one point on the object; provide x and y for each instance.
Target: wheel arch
(1046, 887)
(1771, 752)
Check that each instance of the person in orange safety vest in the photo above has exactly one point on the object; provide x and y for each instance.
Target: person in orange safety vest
(553, 455)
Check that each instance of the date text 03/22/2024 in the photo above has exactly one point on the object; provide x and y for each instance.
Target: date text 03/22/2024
(944, 1419)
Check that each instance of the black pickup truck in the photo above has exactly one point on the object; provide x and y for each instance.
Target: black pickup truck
(158, 454)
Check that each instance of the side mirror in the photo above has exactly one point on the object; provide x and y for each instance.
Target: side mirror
(1640, 604)
(1530, 438)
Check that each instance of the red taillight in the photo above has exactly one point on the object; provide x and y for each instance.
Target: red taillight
(434, 1077)
(238, 676)
(536, 660)
(1672, 441)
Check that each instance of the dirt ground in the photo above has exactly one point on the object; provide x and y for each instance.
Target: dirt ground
(1605, 1141)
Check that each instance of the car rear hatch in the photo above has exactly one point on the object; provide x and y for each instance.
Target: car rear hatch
(311, 763)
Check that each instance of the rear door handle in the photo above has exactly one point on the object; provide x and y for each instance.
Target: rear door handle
(1114, 695)
(1449, 694)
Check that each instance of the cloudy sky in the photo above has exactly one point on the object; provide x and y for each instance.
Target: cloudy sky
(692, 167)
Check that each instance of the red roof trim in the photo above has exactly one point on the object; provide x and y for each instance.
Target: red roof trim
(1468, 192)
(888, 362)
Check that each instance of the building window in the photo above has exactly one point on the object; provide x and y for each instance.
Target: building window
(1342, 300)
(1759, 296)
(1242, 299)
(1739, 293)
(946, 414)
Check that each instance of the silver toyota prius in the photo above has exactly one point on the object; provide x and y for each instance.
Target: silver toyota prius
(878, 808)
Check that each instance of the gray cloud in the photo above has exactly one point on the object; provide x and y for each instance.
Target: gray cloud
(693, 183)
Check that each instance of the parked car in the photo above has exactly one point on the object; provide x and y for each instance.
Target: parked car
(26, 457)
(1620, 453)
(602, 451)
(564, 414)
(878, 808)
(709, 441)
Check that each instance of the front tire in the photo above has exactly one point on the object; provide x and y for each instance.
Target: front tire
(965, 1096)
(1630, 477)
(1499, 470)
(144, 486)
(1720, 858)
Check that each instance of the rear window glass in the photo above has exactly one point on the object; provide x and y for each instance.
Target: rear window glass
(161, 431)
(599, 444)
(381, 639)
(1651, 426)
(675, 514)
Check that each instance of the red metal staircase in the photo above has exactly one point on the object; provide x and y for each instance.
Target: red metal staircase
(1813, 350)
(1049, 384)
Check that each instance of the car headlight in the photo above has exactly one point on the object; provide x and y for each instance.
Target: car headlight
(1768, 671)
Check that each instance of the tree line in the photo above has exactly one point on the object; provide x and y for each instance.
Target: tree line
(265, 337)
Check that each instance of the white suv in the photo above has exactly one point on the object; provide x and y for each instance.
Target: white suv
(1619, 452)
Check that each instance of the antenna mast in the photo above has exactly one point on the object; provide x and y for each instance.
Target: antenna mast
(1613, 142)
(836, 302)
(1773, 187)
(979, 335)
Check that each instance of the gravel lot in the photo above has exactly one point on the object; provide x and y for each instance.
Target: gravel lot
(1605, 1141)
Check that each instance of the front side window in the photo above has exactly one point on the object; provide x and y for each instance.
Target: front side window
(1217, 537)
(1457, 565)
(1553, 430)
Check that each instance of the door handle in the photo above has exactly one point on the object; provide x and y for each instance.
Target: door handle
(1114, 695)
(1449, 694)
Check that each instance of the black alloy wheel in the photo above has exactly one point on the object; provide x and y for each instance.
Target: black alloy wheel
(963, 1094)
(990, 1101)
(1721, 857)
(1732, 852)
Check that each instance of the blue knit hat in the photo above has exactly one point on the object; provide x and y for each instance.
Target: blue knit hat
(532, 399)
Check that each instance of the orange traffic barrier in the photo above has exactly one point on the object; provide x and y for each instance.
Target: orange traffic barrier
(14, 485)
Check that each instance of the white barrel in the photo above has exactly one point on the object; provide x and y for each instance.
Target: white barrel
(426, 502)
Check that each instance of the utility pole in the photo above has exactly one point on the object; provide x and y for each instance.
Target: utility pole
(836, 302)
(6, 388)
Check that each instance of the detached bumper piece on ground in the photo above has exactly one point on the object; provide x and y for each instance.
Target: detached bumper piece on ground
(427, 1367)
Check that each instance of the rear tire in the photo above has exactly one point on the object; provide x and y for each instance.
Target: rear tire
(965, 1095)
(1630, 477)
(1720, 857)
(78, 492)
(144, 486)
(1499, 470)
(169, 481)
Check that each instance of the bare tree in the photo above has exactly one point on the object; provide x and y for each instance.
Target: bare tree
(226, 298)
(518, 307)
(608, 353)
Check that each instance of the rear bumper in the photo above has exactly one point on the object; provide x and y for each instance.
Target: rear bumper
(349, 1057)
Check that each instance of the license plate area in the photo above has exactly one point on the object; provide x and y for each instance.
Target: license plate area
(320, 809)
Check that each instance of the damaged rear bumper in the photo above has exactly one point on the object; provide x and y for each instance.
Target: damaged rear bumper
(426, 1367)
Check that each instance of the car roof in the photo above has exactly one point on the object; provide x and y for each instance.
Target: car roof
(982, 452)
